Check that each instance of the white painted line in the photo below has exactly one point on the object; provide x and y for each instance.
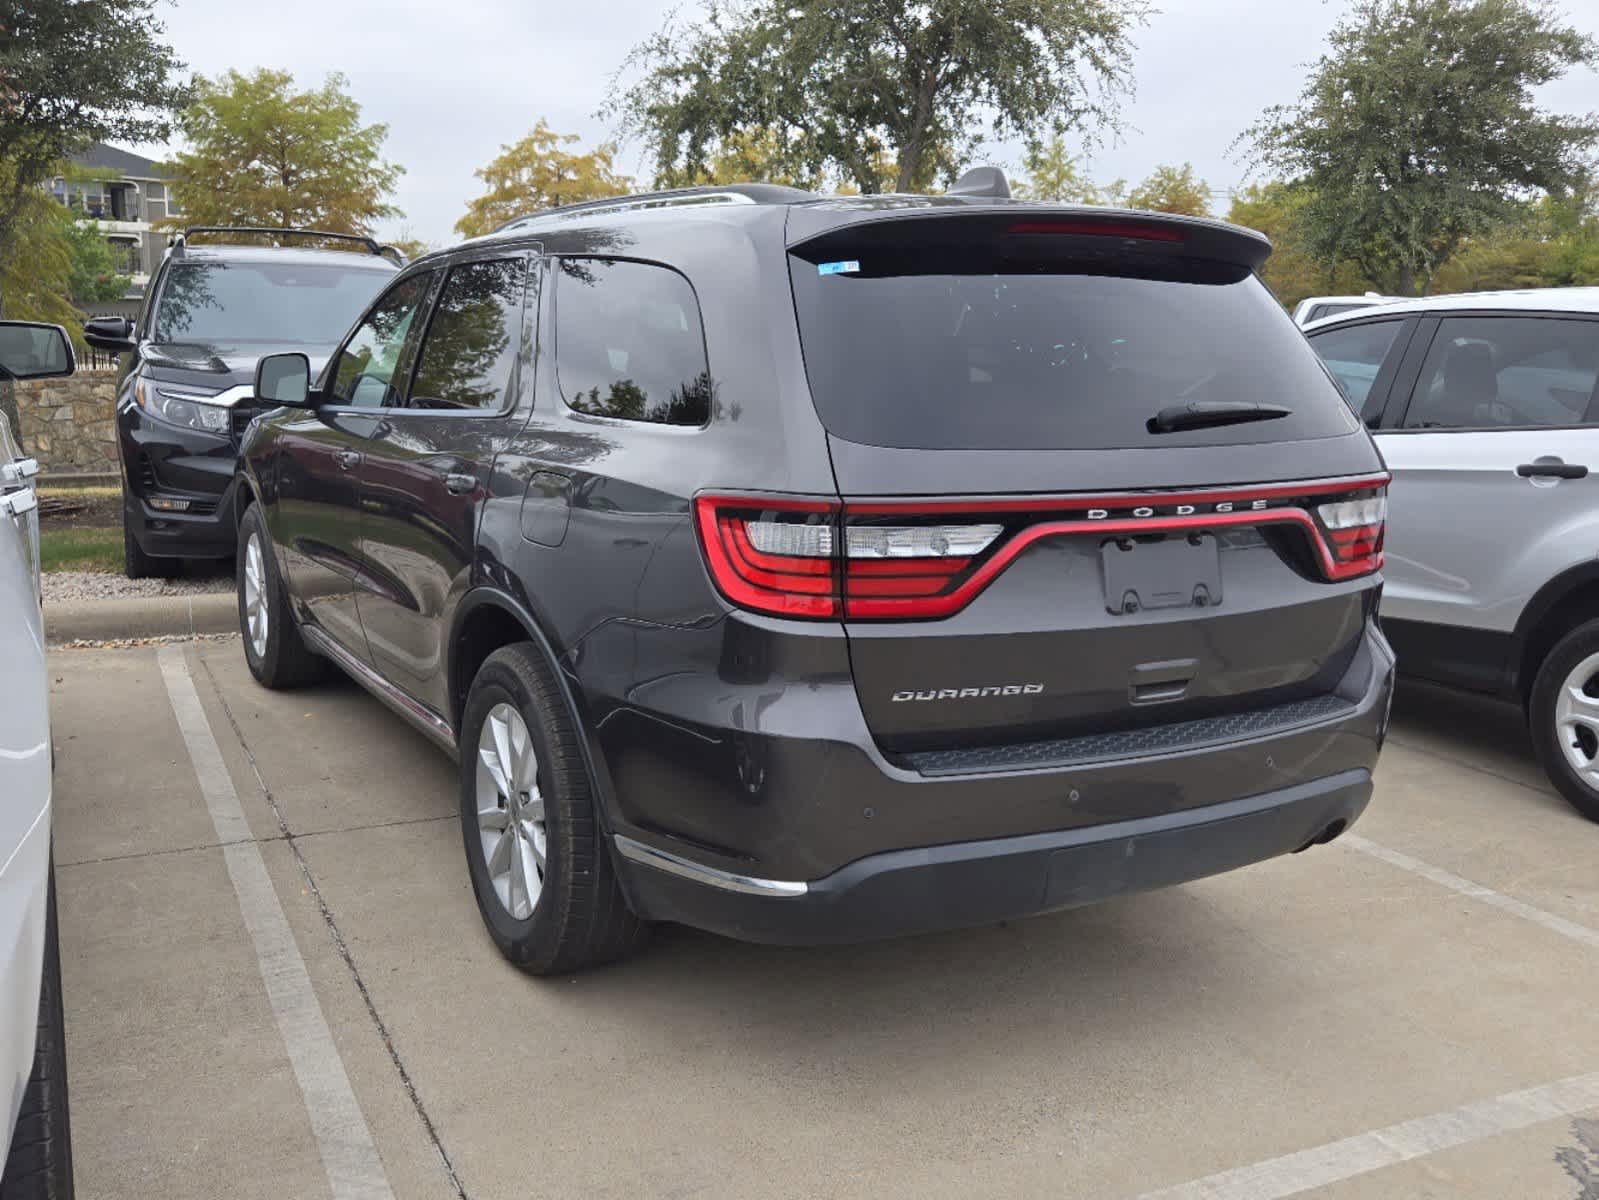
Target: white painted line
(1455, 883)
(349, 1156)
(1323, 1165)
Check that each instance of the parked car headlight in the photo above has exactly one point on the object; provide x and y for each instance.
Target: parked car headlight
(187, 410)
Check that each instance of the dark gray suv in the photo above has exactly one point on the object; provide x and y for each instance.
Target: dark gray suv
(817, 569)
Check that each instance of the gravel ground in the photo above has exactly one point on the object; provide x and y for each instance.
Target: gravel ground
(61, 586)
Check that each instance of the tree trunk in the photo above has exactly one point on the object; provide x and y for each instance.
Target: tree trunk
(1407, 280)
(8, 395)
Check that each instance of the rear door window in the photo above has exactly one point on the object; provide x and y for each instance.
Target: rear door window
(1508, 373)
(1354, 354)
(468, 357)
(958, 348)
(629, 342)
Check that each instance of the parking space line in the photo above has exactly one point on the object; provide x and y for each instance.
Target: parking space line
(349, 1157)
(1320, 1166)
(1476, 891)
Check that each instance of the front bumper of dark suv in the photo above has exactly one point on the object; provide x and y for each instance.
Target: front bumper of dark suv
(1213, 799)
(178, 486)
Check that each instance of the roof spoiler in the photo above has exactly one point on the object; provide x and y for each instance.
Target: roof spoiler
(179, 242)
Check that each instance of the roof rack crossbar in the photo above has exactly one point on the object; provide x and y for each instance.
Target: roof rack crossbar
(728, 193)
(372, 245)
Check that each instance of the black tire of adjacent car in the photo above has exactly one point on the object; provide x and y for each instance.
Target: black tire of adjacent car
(1557, 664)
(287, 661)
(136, 564)
(581, 918)
(39, 1166)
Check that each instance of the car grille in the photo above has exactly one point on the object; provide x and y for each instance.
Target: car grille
(1130, 743)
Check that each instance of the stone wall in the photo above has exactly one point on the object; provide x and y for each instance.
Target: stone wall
(67, 423)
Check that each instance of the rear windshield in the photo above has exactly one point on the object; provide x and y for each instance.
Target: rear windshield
(279, 304)
(953, 350)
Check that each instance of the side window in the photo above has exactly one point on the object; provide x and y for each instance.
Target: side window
(629, 342)
(469, 352)
(1505, 372)
(1354, 354)
(364, 376)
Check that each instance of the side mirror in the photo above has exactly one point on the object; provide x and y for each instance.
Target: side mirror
(284, 379)
(33, 350)
(109, 333)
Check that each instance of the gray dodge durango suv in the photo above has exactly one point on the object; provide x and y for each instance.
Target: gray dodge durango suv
(816, 569)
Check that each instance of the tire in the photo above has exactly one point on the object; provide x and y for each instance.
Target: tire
(136, 564)
(276, 653)
(579, 917)
(39, 1166)
(1563, 712)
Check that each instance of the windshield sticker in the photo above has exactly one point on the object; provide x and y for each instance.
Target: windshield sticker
(838, 268)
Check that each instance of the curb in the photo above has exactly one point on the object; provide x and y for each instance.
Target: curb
(142, 617)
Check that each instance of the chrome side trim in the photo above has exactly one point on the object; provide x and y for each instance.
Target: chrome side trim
(419, 715)
(674, 864)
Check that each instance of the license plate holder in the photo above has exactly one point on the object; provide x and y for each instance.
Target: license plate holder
(1173, 572)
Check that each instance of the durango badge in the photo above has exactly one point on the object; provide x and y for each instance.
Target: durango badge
(971, 693)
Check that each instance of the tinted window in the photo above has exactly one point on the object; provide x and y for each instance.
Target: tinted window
(277, 304)
(1332, 310)
(364, 375)
(1487, 372)
(473, 338)
(629, 343)
(1354, 354)
(960, 349)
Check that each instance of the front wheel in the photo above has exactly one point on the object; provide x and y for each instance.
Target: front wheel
(1564, 714)
(544, 881)
(39, 1166)
(273, 648)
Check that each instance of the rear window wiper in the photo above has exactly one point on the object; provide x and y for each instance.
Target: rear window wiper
(1207, 414)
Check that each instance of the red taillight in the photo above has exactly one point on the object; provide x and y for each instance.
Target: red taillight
(916, 560)
(1093, 228)
(1353, 533)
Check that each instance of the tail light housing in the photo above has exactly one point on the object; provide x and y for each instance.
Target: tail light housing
(911, 560)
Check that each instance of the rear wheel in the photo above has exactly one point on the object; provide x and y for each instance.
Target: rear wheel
(543, 878)
(39, 1166)
(1564, 713)
(136, 564)
(276, 653)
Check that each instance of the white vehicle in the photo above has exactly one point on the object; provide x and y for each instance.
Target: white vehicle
(1486, 410)
(1315, 308)
(33, 1061)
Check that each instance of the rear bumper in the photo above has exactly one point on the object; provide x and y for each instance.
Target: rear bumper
(975, 883)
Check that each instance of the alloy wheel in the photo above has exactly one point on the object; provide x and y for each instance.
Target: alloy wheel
(510, 811)
(1577, 720)
(255, 596)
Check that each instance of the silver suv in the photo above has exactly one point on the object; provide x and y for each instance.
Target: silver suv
(1486, 409)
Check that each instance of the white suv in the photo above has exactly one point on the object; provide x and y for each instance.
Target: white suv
(1486, 409)
(33, 1062)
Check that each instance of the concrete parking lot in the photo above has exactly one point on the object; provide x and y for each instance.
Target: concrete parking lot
(277, 985)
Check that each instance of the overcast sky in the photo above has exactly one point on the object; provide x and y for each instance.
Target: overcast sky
(455, 81)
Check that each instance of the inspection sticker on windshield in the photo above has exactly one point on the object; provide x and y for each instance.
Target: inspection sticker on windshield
(838, 268)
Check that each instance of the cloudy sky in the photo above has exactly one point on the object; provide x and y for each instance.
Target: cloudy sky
(455, 81)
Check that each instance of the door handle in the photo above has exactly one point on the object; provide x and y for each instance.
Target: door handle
(347, 459)
(1551, 468)
(458, 483)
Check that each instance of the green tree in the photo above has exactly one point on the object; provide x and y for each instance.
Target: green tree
(93, 273)
(1292, 272)
(1053, 174)
(1417, 129)
(36, 274)
(537, 173)
(1172, 190)
(839, 83)
(72, 72)
(261, 153)
(755, 156)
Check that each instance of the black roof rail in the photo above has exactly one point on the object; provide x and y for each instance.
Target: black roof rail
(180, 241)
(727, 193)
